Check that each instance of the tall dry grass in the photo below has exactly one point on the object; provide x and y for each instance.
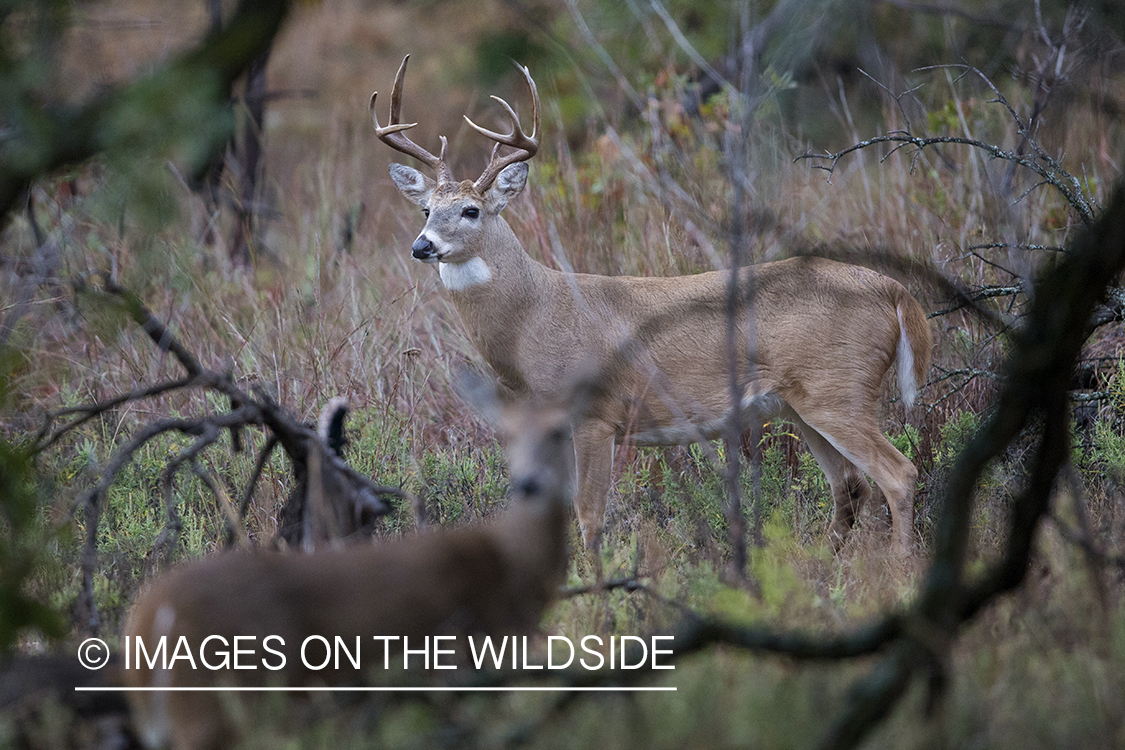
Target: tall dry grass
(318, 317)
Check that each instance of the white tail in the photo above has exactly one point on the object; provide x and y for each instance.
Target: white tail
(824, 336)
(495, 578)
(908, 380)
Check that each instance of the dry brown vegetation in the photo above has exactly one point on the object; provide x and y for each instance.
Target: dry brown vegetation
(333, 305)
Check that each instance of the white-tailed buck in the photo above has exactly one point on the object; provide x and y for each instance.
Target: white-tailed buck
(824, 334)
(493, 578)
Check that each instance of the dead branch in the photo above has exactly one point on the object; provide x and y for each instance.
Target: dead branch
(980, 295)
(629, 583)
(1050, 171)
(1017, 246)
(351, 499)
(1039, 161)
(259, 466)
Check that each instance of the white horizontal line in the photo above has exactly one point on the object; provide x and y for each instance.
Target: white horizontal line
(322, 689)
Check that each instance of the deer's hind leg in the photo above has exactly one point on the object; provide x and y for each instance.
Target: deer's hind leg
(850, 490)
(854, 434)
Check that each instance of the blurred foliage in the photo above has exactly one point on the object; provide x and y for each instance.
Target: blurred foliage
(497, 50)
(20, 546)
(179, 112)
(819, 44)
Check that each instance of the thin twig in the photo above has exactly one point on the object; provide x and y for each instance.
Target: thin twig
(988, 292)
(90, 411)
(629, 583)
(1017, 246)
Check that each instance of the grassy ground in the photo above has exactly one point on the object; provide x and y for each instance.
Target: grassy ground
(318, 316)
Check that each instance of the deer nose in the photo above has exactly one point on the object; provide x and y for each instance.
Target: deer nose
(529, 486)
(422, 248)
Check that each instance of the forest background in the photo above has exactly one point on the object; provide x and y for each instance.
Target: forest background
(263, 230)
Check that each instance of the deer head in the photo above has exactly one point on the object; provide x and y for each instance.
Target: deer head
(459, 214)
(494, 578)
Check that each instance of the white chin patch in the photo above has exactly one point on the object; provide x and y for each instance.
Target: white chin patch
(459, 276)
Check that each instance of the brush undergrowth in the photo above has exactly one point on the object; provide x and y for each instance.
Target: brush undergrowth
(317, 317)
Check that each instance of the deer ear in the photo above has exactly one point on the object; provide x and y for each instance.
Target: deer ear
(414, 185)
(586, 393)
(482, 394)
(509, 183)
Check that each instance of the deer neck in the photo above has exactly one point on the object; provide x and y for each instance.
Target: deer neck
(533, 539)
(492, 292)
(498, 271)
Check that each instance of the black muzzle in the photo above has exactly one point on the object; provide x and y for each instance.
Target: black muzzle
(422, 249)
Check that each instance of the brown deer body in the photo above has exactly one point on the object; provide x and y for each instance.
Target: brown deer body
(492, 578)
(816, 337)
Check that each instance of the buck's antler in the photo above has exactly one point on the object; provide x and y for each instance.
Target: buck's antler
(393, 136)
(526, 146)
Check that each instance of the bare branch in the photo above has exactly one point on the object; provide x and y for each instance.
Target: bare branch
(1041, 163)
(980, 295)
(352, 495)
(233, 519)
(255, 475)
(629, 583)
(156, 330)
(90, 411)
(168, 539)
(1017, 246)
(896, 97)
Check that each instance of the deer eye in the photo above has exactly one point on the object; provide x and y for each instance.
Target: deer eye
(471, 212)
(426, 212)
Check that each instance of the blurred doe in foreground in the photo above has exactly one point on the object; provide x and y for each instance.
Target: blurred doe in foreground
(494, 578)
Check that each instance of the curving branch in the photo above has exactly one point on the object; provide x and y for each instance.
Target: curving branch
(40, 140)
(1049, 170)
(352, 498)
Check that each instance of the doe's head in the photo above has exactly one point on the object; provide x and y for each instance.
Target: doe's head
(537, 435)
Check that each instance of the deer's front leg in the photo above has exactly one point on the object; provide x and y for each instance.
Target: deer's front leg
(593, 453)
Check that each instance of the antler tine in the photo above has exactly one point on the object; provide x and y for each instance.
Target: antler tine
(526, 145)
(392, 133)
(396, 90)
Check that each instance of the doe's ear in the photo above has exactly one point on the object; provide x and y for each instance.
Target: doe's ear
(414, 185)
(482, 394)
(586, 394)
(509, 183)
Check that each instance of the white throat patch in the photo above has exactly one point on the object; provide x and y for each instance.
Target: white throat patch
(460, 276)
